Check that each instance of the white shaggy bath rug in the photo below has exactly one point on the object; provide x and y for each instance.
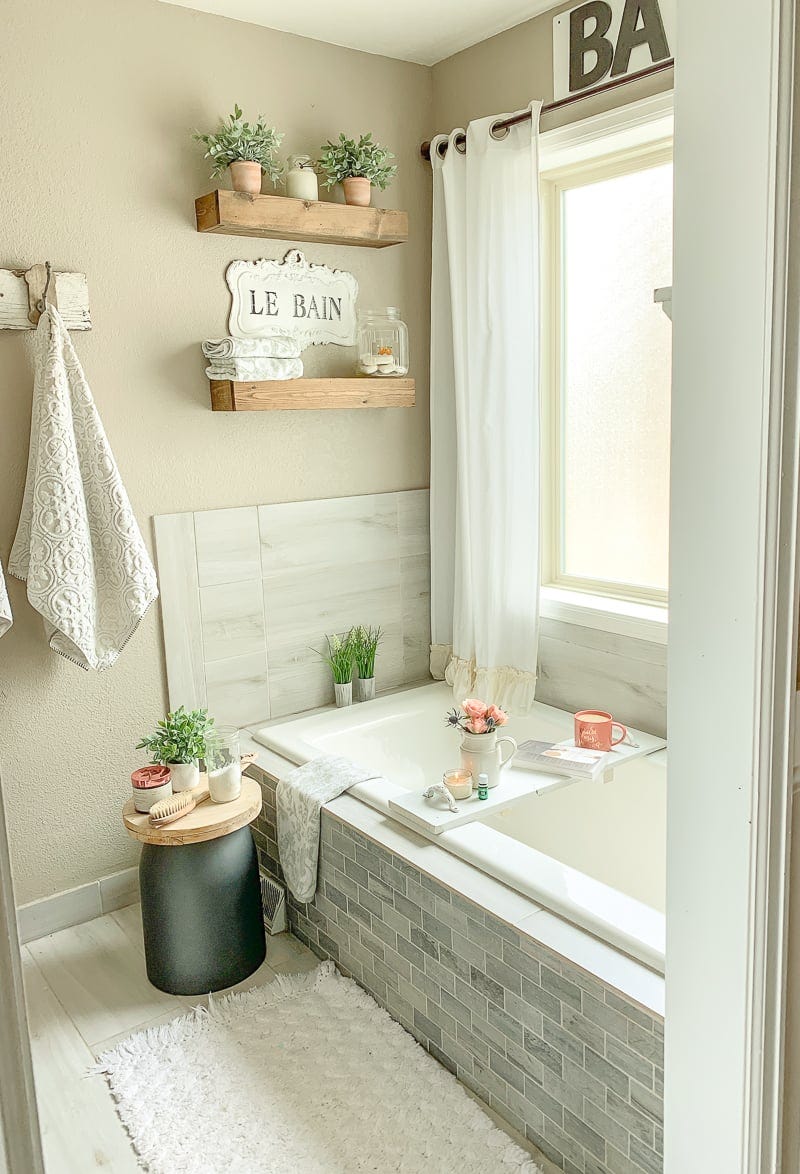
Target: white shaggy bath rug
(307, 1075)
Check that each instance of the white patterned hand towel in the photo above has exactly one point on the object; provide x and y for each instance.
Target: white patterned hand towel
(77, 544)
(6, 619)
(281, 346)
(299, 798)
(243, 370)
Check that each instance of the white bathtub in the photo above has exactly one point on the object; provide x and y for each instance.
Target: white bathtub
(592, 852)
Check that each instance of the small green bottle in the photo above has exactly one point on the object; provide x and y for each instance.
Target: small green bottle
(483, 786)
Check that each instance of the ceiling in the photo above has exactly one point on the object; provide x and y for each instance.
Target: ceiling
(411, 30)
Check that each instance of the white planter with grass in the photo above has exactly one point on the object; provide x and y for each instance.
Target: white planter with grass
(365, 688)
(343, 691)
(365, 641)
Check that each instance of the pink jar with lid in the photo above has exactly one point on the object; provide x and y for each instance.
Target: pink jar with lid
(150, 785)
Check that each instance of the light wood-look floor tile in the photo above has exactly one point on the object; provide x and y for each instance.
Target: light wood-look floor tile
(98, 976)
(80, 1128)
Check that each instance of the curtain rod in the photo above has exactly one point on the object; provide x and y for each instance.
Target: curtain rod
(505, 123)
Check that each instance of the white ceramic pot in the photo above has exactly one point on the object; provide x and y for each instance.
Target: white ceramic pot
(344, 693)
(185, 775)
(365, 688)
(482, 754)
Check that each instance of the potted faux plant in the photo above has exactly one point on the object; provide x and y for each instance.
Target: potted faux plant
(365, 643)
(480, 745)
(339, 659)
(248, 149)
(178, 742)
(357, 166)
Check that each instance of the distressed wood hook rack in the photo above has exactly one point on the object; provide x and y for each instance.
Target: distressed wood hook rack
(22, 297)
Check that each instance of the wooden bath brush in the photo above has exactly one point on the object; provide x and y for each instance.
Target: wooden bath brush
(168, 810)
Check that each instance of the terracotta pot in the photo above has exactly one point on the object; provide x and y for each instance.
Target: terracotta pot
(246, 177)
(357, 191)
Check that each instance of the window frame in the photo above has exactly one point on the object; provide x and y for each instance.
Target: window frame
(647, 607)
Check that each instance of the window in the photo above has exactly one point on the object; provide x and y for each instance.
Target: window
(607, 381)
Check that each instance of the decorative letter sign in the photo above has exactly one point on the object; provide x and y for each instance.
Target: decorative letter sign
(312, 303)
(602, 40)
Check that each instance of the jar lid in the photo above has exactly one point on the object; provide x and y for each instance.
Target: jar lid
(301, 161)
(150, 776)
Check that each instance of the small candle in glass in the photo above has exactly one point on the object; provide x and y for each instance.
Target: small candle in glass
(458, 783)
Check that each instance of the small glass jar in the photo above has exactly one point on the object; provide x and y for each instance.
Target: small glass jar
(382, 343)
(301, 178)
(224, 764)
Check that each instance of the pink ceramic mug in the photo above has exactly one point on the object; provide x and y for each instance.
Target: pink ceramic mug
(594, 730)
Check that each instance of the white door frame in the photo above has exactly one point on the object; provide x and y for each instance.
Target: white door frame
(733, 587)
(20, 1139)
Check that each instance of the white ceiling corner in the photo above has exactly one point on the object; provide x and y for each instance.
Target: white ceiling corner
(414, 30)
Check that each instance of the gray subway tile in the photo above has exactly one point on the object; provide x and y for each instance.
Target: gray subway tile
(551, 1108)
(384, 932)
(584, 1135)
(605, 1125)
(628, 1009)
(425, 984)
(471, 998)
(509, 979)
(437, 929)
(443, 978)
(469, 950)
(506, 1023)
(476, 1047)
(411, 952)
(527, 1015)
(456, 1009)
(606, 1017)
(373, 944)
(621, 1056)
(441, 1018)
(542, 1000)
(396, 921)
(526, 1061)
(606, 1073)
(356, 872)
(645, 1157)
(454, 962)
(483, 937)
(487, 986)
(507, 1070)
(646, 1044)
(420, 896)
(427, 1027)
(650, 1103)
(370, 902)
(634, 1121)
(586, 1031)
(557, 985)
(424, 942)
(408, 909)
(451, 916)
(521, 961)
(577, 1077)
(563, 1041)
(544, 1052)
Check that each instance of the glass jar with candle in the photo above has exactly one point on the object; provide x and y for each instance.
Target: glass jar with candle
(301, 178)
(224, 764)
(382, 343)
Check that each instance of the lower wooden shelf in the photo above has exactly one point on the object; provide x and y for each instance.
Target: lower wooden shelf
(278, 395)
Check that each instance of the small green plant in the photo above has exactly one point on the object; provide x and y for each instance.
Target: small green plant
(180, 737)
(239, 140)
(365, 643)
(339, 657)
(347, 159)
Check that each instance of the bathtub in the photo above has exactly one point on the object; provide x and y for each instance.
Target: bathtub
(592, 852)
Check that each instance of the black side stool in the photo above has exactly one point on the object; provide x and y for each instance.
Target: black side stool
(201, 895)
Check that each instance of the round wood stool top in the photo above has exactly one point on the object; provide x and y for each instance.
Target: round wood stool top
(206, 822)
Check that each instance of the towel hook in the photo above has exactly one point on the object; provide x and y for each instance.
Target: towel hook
(41, 305)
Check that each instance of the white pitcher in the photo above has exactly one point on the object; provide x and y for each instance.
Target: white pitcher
(481, 754)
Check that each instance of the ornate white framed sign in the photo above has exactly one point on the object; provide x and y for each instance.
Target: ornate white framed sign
(312, 303)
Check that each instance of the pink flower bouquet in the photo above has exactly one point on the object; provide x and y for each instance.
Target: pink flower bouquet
(476, 717)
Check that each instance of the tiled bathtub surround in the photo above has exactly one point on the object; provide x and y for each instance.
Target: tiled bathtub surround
(566, 1060)
(247, 593)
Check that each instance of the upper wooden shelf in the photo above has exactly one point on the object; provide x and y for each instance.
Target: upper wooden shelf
(281, 218)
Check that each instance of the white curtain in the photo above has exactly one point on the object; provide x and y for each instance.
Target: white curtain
(485, 323)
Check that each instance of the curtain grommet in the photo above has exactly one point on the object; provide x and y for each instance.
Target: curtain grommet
(460, 144)
(499, 131)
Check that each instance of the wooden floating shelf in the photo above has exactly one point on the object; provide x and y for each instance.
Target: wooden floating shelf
(281, 218)
(278, 395)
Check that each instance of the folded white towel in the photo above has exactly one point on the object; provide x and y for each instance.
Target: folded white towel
(299, 798)
(244, 370)
(78, 544)
(6, 619)
(281, 346)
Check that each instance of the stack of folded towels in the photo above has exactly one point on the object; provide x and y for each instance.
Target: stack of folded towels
(253, 359)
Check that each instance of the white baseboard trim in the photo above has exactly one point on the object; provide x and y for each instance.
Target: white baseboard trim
(37, 919)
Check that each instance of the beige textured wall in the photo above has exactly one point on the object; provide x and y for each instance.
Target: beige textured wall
(100, 176)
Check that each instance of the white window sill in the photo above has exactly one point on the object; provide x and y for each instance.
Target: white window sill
(642, 621)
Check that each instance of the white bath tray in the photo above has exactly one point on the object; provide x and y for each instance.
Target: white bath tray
(434, 816)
